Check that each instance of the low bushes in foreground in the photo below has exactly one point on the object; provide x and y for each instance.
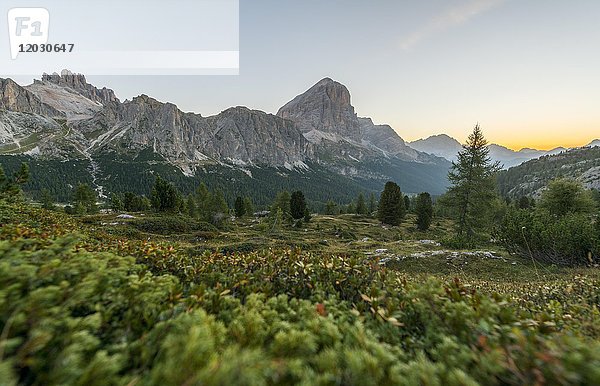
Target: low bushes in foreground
(70, 316)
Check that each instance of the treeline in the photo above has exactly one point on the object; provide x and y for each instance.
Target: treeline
(121, 174)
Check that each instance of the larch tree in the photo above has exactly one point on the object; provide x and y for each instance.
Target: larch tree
(473, 189)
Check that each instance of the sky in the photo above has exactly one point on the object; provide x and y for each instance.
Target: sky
(528, 71)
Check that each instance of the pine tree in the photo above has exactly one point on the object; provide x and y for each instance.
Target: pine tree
(248, 206)
(473, 186)
(391, 208)
(282, 201)
(523, 203)
(424, 211)
(47, 200)
(350, 208)
(239, 207)
(219, 210)
(361, 207)
(117, 202)
(84, 199)
(372, 204)
(165, 197)
(331, 208)
(297, 205)
(307, 215)
(407, 202)
(203, 198)
(11, 187)
(192, 208)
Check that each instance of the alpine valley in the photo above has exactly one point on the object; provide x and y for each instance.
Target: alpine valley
(70, 131)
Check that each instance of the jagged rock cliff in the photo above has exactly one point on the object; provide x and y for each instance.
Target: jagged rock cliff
(78, 83)
(17, 99)
(237, 135)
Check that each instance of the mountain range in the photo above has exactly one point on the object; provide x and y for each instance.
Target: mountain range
(316, 142)
(443, 145)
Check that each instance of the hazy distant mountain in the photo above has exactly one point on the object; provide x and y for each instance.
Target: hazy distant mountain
(595, 142)
(445, 146)
(315, 138)
(529, 178)
(441, 145)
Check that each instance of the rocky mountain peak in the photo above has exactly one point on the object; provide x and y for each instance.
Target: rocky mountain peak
(325, 108)
(78, 83)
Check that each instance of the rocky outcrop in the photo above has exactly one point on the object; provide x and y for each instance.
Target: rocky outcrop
(254, 136)
(64, 99)
(78, 83)
(17, 99)
(237, 135)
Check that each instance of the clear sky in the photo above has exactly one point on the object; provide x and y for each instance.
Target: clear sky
(527, 70)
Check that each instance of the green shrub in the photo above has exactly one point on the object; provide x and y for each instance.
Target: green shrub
(566, 240)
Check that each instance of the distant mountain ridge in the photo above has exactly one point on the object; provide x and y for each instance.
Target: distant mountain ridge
(447, 147)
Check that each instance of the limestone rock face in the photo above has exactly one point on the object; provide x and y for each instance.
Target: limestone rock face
(78, 83)
(325, 110)
(237, 135)
(17, 99)
(250, 135)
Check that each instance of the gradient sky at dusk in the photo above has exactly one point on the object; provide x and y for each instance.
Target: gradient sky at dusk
(528, 71)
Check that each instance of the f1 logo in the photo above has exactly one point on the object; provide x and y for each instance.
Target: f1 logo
(27, 26)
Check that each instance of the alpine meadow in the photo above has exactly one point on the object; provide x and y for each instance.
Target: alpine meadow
(302, 242)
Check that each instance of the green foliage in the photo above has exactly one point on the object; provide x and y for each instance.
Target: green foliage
(84, 200)
(248, 206)
(566, 196)
(391, 208)
(331, 208)
(297, 205)
(98, 310)
(525, 202)
(424, 211)
(47, 200)
(211, 207)
(473, 187)
(307, 216)
(361, 206)
(239, 207)
(116, 202)
(164, 196)
(372, 204)
(283, 202)
(407, 202)
(10, 188)
(568, 240)
(129, 202)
